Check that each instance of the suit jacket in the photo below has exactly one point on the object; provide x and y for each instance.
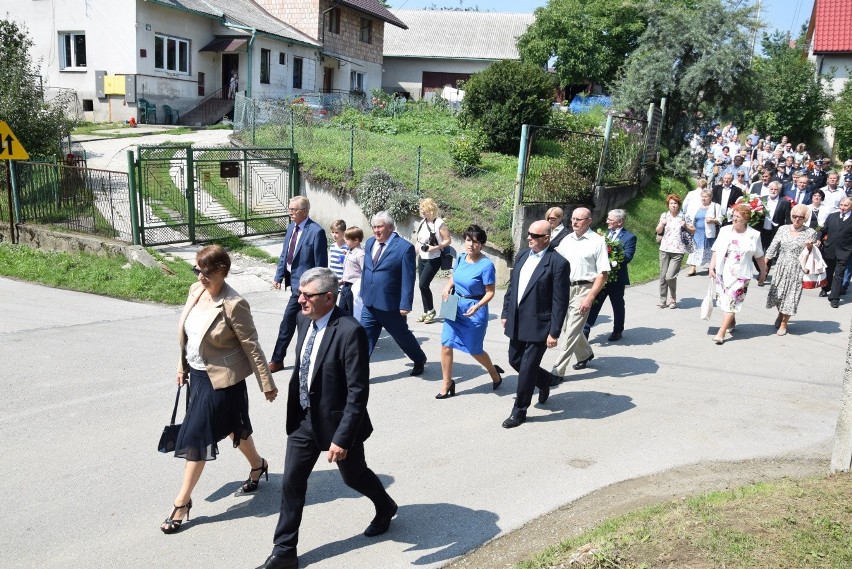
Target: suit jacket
(554, 241)
(757, 188)
(735, 194)
(836, 236)
(544, 303)
(782, 213)
(229, 347)
(311, 251)
(339, 388)
(390, 284)
(791, 191)
(628, 242)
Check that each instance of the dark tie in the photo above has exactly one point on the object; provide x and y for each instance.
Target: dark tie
(378, 254)
(292, 247)
(305, 367)
(612, 234)
(799, 196)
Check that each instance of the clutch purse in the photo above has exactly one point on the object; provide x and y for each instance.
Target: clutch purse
(170, 431)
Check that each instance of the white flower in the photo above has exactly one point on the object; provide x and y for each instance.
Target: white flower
(613, 263)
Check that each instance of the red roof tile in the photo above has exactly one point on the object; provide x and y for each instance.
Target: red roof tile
(832, 26)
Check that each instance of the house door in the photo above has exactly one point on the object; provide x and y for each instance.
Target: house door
(230, 63)
(327, 79)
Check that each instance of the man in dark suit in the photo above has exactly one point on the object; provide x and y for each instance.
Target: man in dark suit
(305, 247)
(533, 311)
(615, 289)
(777, 213)
(818, 176)
(761, 187)
(836, 237)
(799, 191)
(326, 413)
(387, 289)
(725, 194)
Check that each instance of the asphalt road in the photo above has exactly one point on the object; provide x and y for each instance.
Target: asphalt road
(88, 385)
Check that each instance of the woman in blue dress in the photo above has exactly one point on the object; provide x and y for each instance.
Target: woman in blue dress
(473, 278)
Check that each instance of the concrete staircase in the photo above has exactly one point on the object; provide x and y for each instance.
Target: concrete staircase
(210, 111)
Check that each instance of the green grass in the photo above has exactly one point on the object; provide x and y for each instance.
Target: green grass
(96, 274)
(795, 524)
(235, 245)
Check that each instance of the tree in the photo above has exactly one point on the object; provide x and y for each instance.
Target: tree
(785, 95)
(841, 119)
(503, 97)
(39, 125)
(590, 39)
(693, 52)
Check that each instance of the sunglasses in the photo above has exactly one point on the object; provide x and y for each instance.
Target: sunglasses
(536, 235)
(311, 295)
(797, 217)
(198, 271)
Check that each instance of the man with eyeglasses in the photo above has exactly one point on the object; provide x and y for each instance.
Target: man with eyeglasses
(533, 310)
(587, 256)
(836, 239)
(305, 247)
(326, 413)
(776, 213)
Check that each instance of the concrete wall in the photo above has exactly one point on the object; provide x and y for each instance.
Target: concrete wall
(406, 73)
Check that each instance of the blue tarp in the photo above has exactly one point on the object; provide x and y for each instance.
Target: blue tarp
(581, 103)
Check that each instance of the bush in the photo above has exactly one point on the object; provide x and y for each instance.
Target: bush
(592, 121)
(466, 152)
(379, 191)
(841, 111)
(563, 180)
(503, 97)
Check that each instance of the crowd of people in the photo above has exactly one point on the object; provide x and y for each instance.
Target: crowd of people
(342, 296)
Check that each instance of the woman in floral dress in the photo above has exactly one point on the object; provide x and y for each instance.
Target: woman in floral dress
(786, 289)
(735, 251)
(674, 227)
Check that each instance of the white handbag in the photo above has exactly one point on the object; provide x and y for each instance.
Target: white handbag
(707, 303)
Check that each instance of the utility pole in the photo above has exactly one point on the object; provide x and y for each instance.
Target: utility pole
(756, 29)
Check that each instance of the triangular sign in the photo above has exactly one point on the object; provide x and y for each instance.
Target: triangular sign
(10, 148)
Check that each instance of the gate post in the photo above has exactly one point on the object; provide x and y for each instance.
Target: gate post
(131, 189)
(294, 174)
(190, 193)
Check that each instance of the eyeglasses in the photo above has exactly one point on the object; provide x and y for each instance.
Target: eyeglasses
(198, 271)
(311, 295)
(536, 235)
(295, 208)
(553, 218)
(797, 217)
(579, 219)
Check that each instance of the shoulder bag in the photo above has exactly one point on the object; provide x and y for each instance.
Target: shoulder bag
(170, 431)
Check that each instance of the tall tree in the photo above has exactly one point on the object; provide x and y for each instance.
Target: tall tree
(841, 119)
(37, 124)
(590, 39)
(694, 53)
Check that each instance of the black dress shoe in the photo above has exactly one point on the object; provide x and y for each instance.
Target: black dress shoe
(823, 293)
(835, 303)
(280, 562)
(614, 337)
(583, 363)
(555, 379)
(514, 421)
(381, 522)
(543, 394)
(418, 369)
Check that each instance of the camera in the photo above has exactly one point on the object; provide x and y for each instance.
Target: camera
(424, 248)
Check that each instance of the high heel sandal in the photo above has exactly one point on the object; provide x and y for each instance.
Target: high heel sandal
(251, 484)
(499, 382)
(450, 392)
(171, 525)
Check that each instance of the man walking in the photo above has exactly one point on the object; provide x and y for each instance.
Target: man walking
(614, 290)
(305, 247)
(533, 310)
(326, 412)
(586, 253)
(387, 289)
(726, 194)
(836, 236)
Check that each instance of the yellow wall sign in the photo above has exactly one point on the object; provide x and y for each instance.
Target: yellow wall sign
(10, 148)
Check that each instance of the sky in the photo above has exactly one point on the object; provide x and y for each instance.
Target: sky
(784, 15)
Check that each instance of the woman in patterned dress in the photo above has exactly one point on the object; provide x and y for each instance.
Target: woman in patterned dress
(735, 251)
(786, 289)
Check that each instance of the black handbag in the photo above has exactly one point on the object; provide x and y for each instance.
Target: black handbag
(170, 431)
(448, 258)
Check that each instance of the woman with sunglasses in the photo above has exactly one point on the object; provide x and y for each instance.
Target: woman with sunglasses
(788, 243)
(218, 350)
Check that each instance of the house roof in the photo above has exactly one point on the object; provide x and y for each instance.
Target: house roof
(832, 26)
(452, 34)
(375, 9)
(243, 12)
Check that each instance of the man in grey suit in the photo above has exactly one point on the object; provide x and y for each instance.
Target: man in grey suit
(533, 311)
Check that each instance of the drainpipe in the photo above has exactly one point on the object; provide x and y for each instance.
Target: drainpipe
(250, 51)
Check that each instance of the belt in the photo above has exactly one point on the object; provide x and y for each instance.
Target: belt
(574, 283)
(476, 297)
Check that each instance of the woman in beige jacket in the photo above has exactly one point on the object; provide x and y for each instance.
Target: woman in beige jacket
(218, 350)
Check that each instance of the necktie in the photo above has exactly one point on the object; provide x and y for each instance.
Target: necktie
(292, 247)
(611, 234)
(305, 366)
(378, 254)
(799, 196)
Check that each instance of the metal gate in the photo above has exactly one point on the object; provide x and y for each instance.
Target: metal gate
(196, 194)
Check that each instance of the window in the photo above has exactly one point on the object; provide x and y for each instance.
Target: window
(265, 61)
(72, 47)
(282, 58)
(356, 81)
(200, 84)
(366, 35)
(171, 54)
(297, 73)
(334, 21)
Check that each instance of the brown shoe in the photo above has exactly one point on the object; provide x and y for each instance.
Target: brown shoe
(275, 366)
(690, 272)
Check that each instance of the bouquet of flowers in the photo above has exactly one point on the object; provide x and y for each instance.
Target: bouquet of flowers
(615, 251)
(755, 204)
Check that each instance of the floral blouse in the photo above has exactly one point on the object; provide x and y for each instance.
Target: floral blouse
(672, 241)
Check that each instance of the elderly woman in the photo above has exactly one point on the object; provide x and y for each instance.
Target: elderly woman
(735, 251)
(707, 217)
(473, 278)
(675, 230)
(554, 217)
(817, 211)
(788, 243)
(218, 350)
(432, 236)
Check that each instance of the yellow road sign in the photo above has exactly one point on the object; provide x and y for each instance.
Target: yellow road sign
(10, 148)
